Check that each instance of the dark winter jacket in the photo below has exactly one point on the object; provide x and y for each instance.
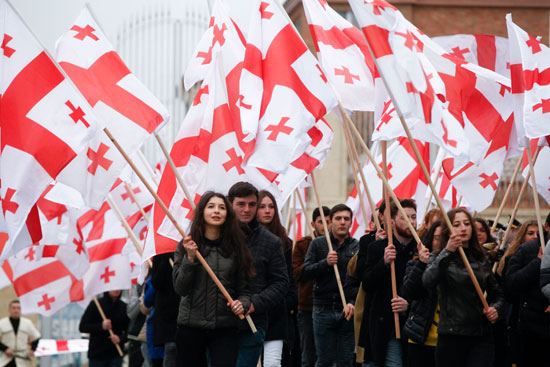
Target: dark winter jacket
(461, 310)
(325, 287)
(522, 279)
(280, 320)
(166, 300)
(100, 346)
(270, 283)
(202, 304)
(378, 288)
(422, 303)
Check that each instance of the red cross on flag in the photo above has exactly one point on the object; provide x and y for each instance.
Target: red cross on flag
(343, 54)
(43, 286)
(541, 167)
(285, 86)
(530, 67)
(478, 183)
(40, 136)
(406, 179)
(131, 112)
(438, 94)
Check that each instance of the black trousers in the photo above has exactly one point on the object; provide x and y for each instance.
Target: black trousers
(202, 347)
(421, 355)
(533, 351)
(464, 351)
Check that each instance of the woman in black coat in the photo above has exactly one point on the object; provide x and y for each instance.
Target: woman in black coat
(421, 325)
(207, 324)
(281, 328)
(465, 335)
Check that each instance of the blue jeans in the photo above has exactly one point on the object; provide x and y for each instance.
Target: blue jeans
(115, 362)
(334, 338)
(250, 347)
(394, 355)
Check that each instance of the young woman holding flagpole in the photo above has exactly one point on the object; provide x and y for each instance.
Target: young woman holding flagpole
(207, 323)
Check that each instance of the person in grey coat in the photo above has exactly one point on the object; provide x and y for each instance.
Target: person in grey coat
(208, 324)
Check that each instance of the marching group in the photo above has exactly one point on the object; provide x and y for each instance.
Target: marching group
(302, 316)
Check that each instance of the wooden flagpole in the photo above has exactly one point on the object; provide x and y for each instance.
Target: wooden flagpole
(383, 178)
(354, 169)
(459, 201)
(309, 229)
(329, 241)
(389, 232)
(535, 195)
(147, 167)
(506, 194)
(176, 224)
(133, 196)
(429, 202)
(103, 317)
(175, 170)
(355, 157)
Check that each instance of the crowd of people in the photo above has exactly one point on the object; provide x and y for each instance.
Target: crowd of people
(305, 317)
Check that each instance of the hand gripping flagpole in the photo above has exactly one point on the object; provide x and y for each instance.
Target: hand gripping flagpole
(176, 225)
(103, 317)
(329, 241)
(389, 229)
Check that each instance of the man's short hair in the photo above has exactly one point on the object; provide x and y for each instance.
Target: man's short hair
(405, 203)
(240, 190)
(317, 213)
(14, 301)
(339, 208)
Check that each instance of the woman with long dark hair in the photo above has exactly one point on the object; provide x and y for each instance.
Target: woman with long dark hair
(281, 329)
(465, 335)
(207, 323)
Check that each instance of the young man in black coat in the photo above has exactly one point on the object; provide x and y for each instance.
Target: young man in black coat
(270, 283)
(102, 350)
(386, 349)
(332, 321)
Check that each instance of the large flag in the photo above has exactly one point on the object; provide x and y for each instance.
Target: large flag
(45, 124)
(129, 109)
(530, 66)
(286, 90)
(343, 54)
(439, 95)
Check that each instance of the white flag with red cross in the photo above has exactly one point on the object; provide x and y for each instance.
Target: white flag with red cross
(343, 54)
(43, 286)
(404, 176)
(41, 133)
(285, 87)
(130, 111)
(541, 167)
(298, 224)
(530, 67)
(439, 95)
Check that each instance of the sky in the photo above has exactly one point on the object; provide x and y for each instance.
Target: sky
(48, 19)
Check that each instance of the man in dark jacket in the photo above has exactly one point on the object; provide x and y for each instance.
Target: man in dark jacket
(385, 348)
(270, 283)
(305, 289)
(332, 322)
(166, 307)
(102, 348)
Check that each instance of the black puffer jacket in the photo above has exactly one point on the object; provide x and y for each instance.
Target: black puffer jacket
(202, 304)
(422, 303)
(316, 268)
(461, 309)
(522, 280)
